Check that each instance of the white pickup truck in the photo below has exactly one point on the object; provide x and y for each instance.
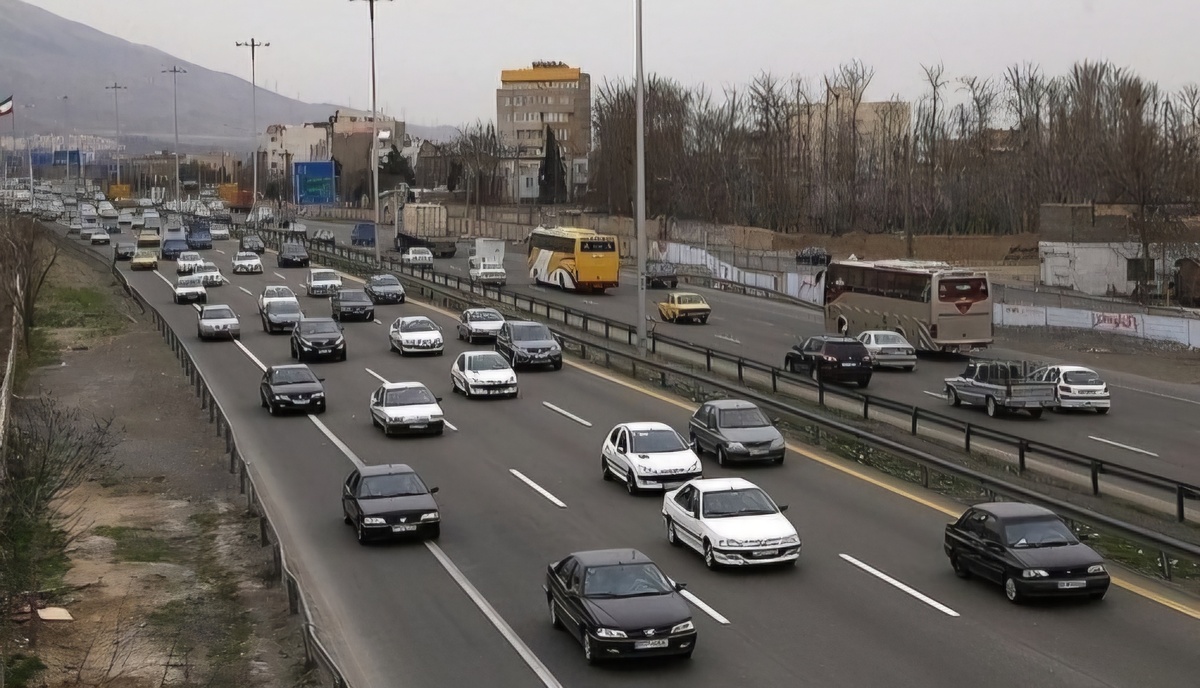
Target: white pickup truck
(486, 271)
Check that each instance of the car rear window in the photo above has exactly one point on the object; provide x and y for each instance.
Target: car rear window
(1081, 377)
(353, 296)
(215, 313)
(845, 349)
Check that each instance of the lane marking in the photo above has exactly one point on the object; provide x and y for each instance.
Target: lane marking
(452, 267)
(222, 252)
(376, 321)
(760, 322)
(700, 604)
(537, 488)
(1123, 446)
(197, 307)
(900, 586)
(161, 277)
(250, 355)
(567, 413)
(727, 338)
(1157, 394)
(384, 380)
(337, 442)
(248, 292)
(939, 395)
(540, 669)
(281, 276)
(449, 424)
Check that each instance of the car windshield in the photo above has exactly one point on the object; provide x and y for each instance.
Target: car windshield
(190, 282)
(417, 326)
(408, 396)
(292, 376)
(748, 501)
(294, 248)
(691, 300)
(743, 418)
(656, 441)
(218, 314)
(394, 485)
(353, 296)
(888, 339)
(188, 255)
(283, 307)
(207, 267)
(488, 361)
(278, 293)
(1081, 377)
(625, 580)
(146, 254)
(252, 241)
(531, 332)
(384, 281)
(1041, 532)
(324, 276)
(319, 327)
(421, 252)
(246, 256)
(126, 247)
(484, 316)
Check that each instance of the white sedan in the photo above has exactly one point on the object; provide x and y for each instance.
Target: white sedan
(190, 289)
(483, 373)
(479, 323)
(322, 282)
(418, 257)
(406, 408)
(889, 350)
(211, 274)
(730, 521)
(99, 236)
(1076, 387)
(648, 456)
(247, 263)
(219, 232)
(276, 293)
(415, 334)
(187, 262)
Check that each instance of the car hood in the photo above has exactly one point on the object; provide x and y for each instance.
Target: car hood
(388, 289)
(375, 507)
(326, 283)
(322, 339)
(535, 344)
(298, 388)
(766, 433)
(490, 375)
(680, 459)
(413, 411)
(636, 613)
(1057, 557)
(486, 325)
(283, 317)
(758, 527)
(418, 336)
(213, 322)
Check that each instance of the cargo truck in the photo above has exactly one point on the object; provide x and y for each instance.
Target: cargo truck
(424, 225)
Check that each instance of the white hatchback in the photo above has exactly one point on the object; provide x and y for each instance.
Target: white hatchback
(211, 274)
(276, 293)
(648, 456)
(1076, 387)
(481, 374)
(731, 521)
(247, 263)
(406, 408)
(415, 334)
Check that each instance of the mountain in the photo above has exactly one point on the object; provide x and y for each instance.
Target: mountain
(44, 57)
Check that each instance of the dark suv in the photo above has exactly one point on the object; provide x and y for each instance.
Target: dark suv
(831, 358)
(527, 343)
(292, 254)
(352, 304)
(252, 242)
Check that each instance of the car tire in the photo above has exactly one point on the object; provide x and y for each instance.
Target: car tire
(262, 398)
(605, 474)
(588, 655)
(343, 356)
(346, 517)
(862, 384)
(722, 457)
(993, 410)
(401, 299)
(790, 365)
(360, 532)
(909, 369)
(710, 559)
(557, 365)
(271, 410)
(696, 441)
(672, 538)
(1101, 411)
(631, 483)
(554, 622)
(1035, 413)
(960, 569)
(435, 532)
(1011, 591)
(952, 397)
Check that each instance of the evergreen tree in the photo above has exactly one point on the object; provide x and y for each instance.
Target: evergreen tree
(552, 175)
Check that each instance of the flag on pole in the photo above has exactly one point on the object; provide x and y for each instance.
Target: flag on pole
(6, 106)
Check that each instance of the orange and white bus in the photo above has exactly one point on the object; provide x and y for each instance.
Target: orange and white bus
(574, 259)
(935, 306)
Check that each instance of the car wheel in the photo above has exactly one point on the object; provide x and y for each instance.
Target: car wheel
(346, 517)
(1101, 411)
(672, 538)
(401, 299)
(694, 440)
(722, 457)
(587, 649)
(992, 409)
(271, 409)
(631, 483)
(960, 569)
(604, 472)
(554, 622)
(862, 384)
(909, 369)
(557, 365)
(263, 399)
(710, 560)
(360, 532)
(1035, 413)
(791, 366)
(392, 345)
(1010, 590)
(952, 397)
(435, 531)
(1097, 596)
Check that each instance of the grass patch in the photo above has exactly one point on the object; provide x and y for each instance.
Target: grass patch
(61, 306)
(138, 544)
(21, 670)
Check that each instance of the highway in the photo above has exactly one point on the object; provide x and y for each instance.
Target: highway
(1143, 430)
(470, 610)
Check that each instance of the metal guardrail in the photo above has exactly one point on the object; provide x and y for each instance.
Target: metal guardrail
(747, 371)
(315, 652)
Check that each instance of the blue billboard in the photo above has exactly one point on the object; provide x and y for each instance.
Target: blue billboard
(314, 183)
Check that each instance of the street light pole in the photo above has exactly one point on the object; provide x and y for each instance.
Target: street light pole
(66, 100)
(175, 72)
(254, 45)
(640, 216)
(374, 130)
(117, 88)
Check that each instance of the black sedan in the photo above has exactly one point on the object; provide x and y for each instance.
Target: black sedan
(124, 251)
(291, 388)
(617, 603)
(389, 501)
(318, 338)
(351, 304)
(292, 254)
(1027, 549)
(385, 289)
(253, 243)
(280, 316)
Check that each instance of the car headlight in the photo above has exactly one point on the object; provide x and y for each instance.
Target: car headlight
(737, 447)
(429, 516)
(511, 381)
(609, 633)
(790, 540)
(280, 397)
(1034, 573)
(683, 627)
(729, 543)
(373, 521)
(318, 395)
(1096, 568)
(436, 416)
(694, 467)
(777, 443)
(555, 348)
(340, 341)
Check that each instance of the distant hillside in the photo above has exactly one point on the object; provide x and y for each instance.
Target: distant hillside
(44, 57)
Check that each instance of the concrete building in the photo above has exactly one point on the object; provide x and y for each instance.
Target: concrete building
(873, 120)
(348, 134)
(528, 102)
(297, 142)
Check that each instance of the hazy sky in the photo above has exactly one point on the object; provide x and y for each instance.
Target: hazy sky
(439, 60)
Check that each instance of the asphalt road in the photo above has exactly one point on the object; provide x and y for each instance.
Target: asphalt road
(396, 615)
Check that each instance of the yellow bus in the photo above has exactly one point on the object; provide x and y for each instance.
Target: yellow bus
(574, 259)
(933, 305)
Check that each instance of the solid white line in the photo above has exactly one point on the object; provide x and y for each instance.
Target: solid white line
(250, 355)
(704, 607)
(537, 488)
(449, 425)
(1123, 446)
(281, 276)
(248, 292)
(337, 442)
(540, 669)
(726, 338)
(376, 375)
(900, 586)
(1157, 394)
(939, 395)
(566, 413)
(160, 276)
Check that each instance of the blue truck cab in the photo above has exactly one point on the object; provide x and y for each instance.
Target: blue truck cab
(363, 234)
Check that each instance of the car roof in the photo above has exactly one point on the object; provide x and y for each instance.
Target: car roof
(276, 287)
(480, 309)
(403, 385)
(725, 404)
(289, 366)
(386, 469)
(609, 557)
(1074, 369)
(648, 425)
(880, 332)
(682, 293)
(836, 338)
(1004, 510)
(477, 354)
(214, 305)
(413, 318)
(312, 320)
(719, 484)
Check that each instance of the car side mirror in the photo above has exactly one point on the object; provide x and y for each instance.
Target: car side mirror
(434, 490)
(679, 586)
(775, 421)
(693, 444)
(782, 507)
(620, 450)
(320, 379)
(438, 399)
(348, 492)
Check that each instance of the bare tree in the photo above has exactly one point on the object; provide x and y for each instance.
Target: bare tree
(26, 255)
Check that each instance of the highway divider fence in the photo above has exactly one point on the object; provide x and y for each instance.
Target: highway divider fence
(316, 654)
(1168, 494)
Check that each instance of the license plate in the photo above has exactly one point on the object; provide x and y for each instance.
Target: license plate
(1071, 585)
(757, 452)
(849, 365)
(650, 644)
(419, 426)
(299, 401)
(325, 351)
(767, 553)
(403, 529)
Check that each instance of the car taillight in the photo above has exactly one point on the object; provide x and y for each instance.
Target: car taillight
(866, 358)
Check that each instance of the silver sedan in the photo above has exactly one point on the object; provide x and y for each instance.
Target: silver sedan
(889, 349)
(218, 322)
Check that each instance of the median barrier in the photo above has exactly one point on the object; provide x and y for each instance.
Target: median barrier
(1098, 477)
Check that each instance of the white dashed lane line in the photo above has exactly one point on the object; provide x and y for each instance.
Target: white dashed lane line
(537, 488)
(281, 276)
(899, 586)
(248, 292)
(567, 414)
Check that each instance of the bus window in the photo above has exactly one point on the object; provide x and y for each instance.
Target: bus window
(968, 290)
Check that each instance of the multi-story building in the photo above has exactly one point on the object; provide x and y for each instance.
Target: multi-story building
(294, 142)
(546, 95)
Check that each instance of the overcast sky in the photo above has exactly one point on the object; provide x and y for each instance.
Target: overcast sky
(439, 60)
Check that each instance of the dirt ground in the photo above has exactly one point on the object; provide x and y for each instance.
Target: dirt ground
(168, 584)
(1156, 360)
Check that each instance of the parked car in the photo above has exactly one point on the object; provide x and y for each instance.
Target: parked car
(831, 358)
(889, 350)
(736, 430)
(1075, 387)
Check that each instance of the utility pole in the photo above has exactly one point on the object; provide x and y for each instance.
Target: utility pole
(117, 88)
(175, 72)
(66, 101)
(641, 191)
(374, 130)
(254, 45)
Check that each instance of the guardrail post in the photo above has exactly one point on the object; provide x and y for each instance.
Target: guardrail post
(924, 475)
(212, 410)
(242, 478)
(293, 591)
(774, 381)
(233, 461)
(1164, 560)
(708, 359)
(1180, 497)
(1021, 448)
(741, 378)
(228, 439)
(277, 560)
(967, 439)
(866, 407)
(820, 394)
(662, 379)
(262, 531)
(1095, 477)
(916, 412)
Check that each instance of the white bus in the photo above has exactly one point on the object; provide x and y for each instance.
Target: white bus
(935, 306)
